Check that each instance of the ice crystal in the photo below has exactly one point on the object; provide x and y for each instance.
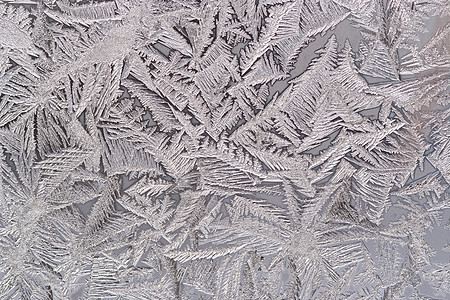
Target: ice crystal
(232, 149)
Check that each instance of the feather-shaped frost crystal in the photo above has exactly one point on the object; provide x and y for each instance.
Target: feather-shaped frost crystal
(235, 149)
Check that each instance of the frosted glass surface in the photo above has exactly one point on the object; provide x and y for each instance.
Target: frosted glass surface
(232, 149)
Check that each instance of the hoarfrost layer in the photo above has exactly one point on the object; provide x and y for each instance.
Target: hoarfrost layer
(230, 149)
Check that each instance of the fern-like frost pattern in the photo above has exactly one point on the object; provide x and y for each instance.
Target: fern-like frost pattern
(232, 149)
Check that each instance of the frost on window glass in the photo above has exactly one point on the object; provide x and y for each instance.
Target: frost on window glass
(224, 149)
